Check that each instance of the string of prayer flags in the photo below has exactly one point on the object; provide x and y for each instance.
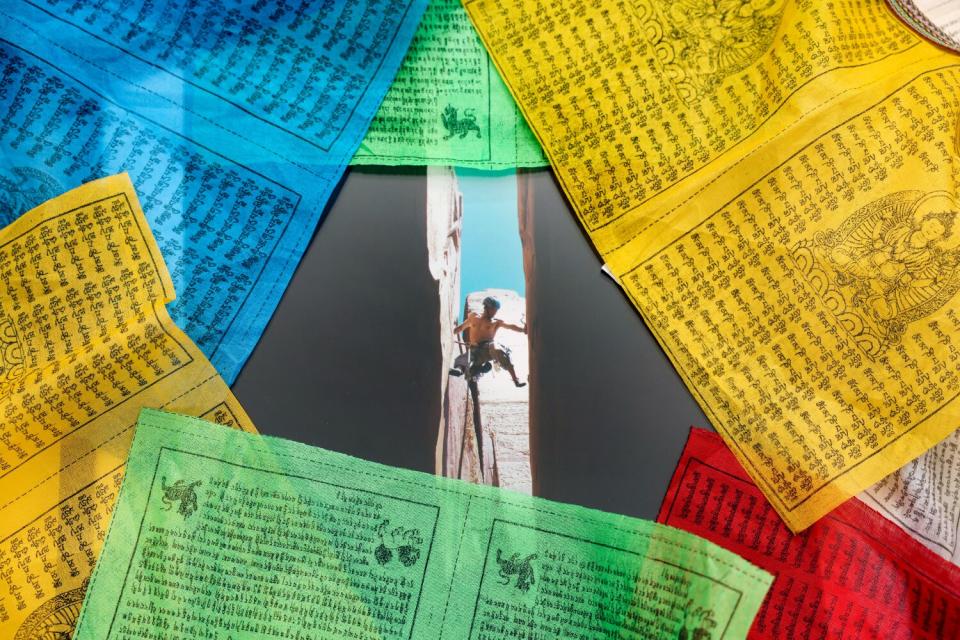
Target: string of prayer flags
(85, 342)
(851, 575)
(335, 547)
(448, 105)
(235, 120)
(778, 203)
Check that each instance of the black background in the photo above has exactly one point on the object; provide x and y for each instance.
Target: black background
(341, 365)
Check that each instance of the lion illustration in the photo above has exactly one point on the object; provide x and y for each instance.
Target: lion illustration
(457, 126)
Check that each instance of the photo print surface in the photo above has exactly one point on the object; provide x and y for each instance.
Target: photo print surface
(477, 256)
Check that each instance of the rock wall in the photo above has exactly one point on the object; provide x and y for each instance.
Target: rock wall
(503, 409)
(444, 221)
(525, 211)
(463, 452)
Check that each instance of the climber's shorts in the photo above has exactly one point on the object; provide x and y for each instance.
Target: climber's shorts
(489, 351)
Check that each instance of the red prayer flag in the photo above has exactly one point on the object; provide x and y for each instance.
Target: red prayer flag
(853, 574)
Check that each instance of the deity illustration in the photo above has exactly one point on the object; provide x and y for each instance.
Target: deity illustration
(183, 493)
(701, 42)
(459, 126)
(405, 543)
(890, 263)
(522, 568)
(12, 367)
(23, 188)
(55, 619)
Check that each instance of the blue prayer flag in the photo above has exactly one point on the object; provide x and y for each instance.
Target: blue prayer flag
(234, 118)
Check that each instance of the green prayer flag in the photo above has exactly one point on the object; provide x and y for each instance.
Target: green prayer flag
(448, 105)
(222, 534)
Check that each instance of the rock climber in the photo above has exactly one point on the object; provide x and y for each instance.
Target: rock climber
(480, 332)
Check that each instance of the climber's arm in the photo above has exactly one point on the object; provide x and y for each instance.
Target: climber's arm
(466, 324)
(514, 327)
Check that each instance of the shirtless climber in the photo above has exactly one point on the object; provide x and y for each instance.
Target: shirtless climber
(483, 350)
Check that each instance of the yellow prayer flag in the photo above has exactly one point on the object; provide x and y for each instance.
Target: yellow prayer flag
(774, 184)
(85, 343)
